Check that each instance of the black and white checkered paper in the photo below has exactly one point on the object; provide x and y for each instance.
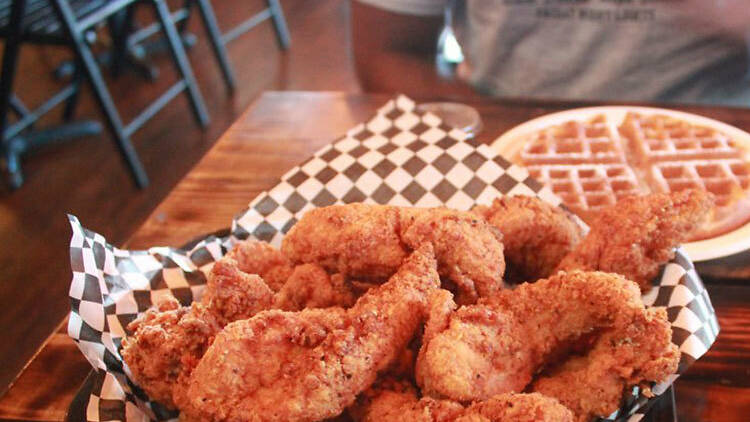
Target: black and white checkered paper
(399, 157)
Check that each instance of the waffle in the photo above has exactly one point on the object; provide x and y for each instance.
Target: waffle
(575, 142)
(587, 188)
(663, 138)
(592, 164)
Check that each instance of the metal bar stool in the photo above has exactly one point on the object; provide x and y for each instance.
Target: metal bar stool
(18, 137)
(218, 40)
(70, 22)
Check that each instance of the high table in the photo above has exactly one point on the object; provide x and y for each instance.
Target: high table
(279, 131)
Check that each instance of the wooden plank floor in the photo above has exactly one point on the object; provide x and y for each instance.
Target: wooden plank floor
(86, 177)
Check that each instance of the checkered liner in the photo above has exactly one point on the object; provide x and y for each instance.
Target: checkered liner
(399, 157)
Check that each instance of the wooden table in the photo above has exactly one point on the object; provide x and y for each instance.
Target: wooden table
(279, 131)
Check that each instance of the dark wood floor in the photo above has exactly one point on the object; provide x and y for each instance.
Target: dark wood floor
(86, 177)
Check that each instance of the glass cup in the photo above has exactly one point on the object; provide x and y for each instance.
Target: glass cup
(460, 116)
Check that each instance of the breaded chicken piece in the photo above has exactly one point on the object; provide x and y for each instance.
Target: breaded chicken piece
(512, 407)
(468, 250)
(270, 368)
(167, 341)
(638, 234)
(398, 401)
(310, 286)
(357, 240)
(369, 242)
(233, 294)
(496, 346)
(257, 257)
(593, 385)
(536, 235)
(440, 307)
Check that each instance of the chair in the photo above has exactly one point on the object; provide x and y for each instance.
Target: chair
(273, 11)
(218, 40)
(70, 22)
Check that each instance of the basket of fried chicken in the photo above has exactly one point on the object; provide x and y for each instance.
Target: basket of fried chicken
(513, 311)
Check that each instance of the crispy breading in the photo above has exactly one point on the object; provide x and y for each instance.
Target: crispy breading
(369, 242)
(497, 345)
(255, 351)
(469, 251)
(516, 407)
(593, 385)
(268, 368)
(310, 286)
(257, 257)
(536, 235)
(638, 234)
(439, 311)
(397, 401)
(167, 341)
(233, 294)
(357, 240)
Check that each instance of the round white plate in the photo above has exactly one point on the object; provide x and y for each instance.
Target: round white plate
(510, 143)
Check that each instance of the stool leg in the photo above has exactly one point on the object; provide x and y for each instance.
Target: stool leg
(118, 31)
(18, 107)
(214, 36)
(72, 101)
(12, 153)
(101, 93)
(10, 60)
(180, 58)
(183, 24)
(282, 32)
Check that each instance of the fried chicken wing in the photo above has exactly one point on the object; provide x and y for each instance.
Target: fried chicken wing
(233, 294)
(310, 286)
(638, 234)
(267, 368)
(257, 257)
(168, 342)
(593, 385)
(513, 407)
(398, 401)
(439, 311)
(362, 241)
(371, 241)
(468, 250)
(536, 235)
(497, 345)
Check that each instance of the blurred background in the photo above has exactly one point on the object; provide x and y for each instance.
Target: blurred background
(183, 71)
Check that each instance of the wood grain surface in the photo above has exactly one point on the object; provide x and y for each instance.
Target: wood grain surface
(280, 130)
